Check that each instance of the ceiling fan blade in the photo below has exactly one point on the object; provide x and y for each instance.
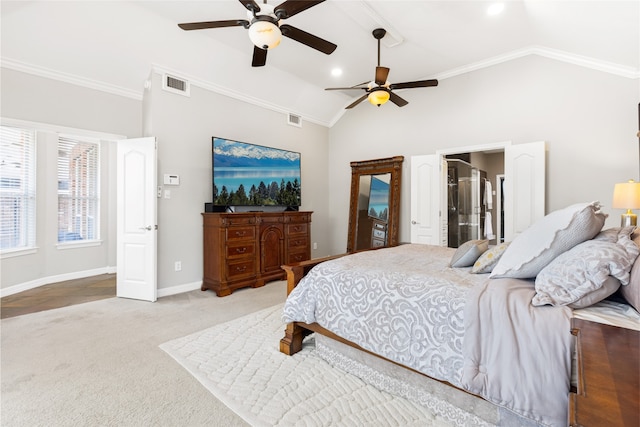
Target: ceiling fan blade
(214, 24)
(409, 85)
(292, 7)
(357, 101)
(400, 102)
(251, 6)
(381, 75)
(345, 88)
(308, 39)
(259, 57)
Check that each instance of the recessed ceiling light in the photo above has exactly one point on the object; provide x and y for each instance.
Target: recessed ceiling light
(495, 9)
(336, 72)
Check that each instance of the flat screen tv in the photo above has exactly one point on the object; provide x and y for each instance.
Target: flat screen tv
(253, 175)
(379, 199)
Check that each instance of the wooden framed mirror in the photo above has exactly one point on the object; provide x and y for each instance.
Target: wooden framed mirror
(374, 210)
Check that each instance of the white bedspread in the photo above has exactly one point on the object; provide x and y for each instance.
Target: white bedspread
(411, 314)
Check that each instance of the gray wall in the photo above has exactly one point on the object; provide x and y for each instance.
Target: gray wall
(184, 127)
(26, 97)
(588, 118)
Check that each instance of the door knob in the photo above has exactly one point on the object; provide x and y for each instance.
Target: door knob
(149, 228)
(414, 222)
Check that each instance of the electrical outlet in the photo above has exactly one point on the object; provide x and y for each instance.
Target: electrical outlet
(178, 265)
(315, 245)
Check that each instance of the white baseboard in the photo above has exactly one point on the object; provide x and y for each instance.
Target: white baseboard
(163, 292)
(173, 290)
(54, 279)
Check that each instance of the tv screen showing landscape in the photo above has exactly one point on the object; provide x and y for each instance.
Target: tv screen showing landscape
(254, 175)
(379, 199)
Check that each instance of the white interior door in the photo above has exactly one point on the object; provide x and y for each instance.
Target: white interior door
(137, 219)
(425, 199)
(524, 187)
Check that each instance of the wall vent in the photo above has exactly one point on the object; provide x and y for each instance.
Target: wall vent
(176, 85)
(294, 120)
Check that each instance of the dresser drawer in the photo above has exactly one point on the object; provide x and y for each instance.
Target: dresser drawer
(297, 257)
(293, 229)
(241, 268)
(298, 243)
(241, 233)
(241, 249)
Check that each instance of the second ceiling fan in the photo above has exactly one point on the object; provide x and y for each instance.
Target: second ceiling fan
(265, 29)
(380, 90)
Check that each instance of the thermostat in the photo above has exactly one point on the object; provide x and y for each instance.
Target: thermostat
(171, 179)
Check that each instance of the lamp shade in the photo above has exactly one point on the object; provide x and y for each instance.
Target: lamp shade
(378, 97)
(265, 34)
(626, 195)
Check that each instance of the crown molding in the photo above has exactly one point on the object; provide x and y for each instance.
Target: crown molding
(558, 55)
(49, 73)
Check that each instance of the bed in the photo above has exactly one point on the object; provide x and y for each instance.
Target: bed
(493, 322)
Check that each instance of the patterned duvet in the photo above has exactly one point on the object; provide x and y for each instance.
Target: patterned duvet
(412, 314)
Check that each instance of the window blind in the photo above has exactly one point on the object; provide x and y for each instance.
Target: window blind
(78, 189)
(17, 188)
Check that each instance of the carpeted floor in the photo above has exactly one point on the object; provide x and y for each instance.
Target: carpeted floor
(239, 362)
(99, 363)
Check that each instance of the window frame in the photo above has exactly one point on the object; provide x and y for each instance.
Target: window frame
(28, 193)
(93, 198)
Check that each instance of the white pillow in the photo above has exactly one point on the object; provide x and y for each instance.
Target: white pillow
(584, 269)
(547, 238)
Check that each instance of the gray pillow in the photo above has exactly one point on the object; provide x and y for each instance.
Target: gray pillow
(547, 238)
(468, 253)
(584, 269)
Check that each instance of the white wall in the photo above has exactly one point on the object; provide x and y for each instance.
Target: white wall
(588, 118)
(29, 98)
(184, 127)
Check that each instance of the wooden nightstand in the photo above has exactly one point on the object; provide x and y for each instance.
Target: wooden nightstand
(608, 376)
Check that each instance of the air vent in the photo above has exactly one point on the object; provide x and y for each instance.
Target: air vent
(294, 120)
(175, 84)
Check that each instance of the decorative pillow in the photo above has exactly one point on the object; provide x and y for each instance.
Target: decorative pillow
(608, 288)
(489, 259)
(549, 237)
(583, 270)
(468, 253)
(631, 292)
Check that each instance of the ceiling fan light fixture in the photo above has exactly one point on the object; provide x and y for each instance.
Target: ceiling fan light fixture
(378, 97)
(265, 35)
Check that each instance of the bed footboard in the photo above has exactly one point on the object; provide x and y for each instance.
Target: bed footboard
(291, 343)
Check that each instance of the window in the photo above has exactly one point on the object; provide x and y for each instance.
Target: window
(78, 189)
(17, 189)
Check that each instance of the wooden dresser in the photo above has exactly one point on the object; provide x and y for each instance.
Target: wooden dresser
(608, 376)
(247, 249)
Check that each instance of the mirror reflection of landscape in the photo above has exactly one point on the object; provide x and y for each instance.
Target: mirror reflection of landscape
(379, 197)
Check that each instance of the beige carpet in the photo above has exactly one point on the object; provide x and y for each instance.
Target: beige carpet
(239, 362)
(99, 364)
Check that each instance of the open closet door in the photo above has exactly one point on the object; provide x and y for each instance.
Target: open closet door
(137, 219)
(524, 187)
(425, 200)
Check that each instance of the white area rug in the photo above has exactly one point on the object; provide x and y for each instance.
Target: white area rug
(240, 363)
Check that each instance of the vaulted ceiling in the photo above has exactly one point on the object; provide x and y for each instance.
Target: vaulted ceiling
(113, 45)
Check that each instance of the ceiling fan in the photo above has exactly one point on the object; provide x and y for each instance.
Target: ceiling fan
(265, 30)
(380, 90)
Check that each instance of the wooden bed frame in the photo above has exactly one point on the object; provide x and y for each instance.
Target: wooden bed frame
(617, 389)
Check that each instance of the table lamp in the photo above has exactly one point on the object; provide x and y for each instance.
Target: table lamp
(626, 195)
